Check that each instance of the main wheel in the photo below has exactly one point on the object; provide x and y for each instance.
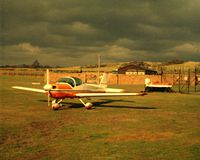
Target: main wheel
(147, 89)
(88, 105)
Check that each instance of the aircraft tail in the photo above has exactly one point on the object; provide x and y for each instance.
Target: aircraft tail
(104, 81)
(147, 81)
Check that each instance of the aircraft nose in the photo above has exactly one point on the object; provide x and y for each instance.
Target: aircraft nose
(47, 87)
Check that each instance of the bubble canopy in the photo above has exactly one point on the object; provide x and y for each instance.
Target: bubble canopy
(73, 81)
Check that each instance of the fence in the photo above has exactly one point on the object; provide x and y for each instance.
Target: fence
(186, 81)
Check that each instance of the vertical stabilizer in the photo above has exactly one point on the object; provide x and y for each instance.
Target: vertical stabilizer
(147, 81)
(104, 81)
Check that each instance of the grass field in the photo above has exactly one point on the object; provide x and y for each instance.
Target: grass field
(161, 126)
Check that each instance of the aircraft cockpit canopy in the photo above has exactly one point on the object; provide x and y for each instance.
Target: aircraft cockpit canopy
(73, 81)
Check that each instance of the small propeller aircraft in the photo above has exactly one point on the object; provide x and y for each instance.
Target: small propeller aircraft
(73, 87)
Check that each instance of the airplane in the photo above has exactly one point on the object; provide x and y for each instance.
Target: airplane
(73, 87)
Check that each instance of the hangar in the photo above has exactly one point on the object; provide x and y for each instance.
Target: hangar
(136, 69)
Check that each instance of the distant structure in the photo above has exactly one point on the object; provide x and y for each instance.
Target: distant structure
(135, 72)
(136, 68)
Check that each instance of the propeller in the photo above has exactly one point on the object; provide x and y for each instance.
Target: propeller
(47, 86)
(48, 99)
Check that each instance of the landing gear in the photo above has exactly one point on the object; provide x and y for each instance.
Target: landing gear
(56, 104)
(87, 105)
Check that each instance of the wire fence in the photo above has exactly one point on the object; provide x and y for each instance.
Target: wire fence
(184, 80)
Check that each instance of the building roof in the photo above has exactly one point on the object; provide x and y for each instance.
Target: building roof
(135, 67)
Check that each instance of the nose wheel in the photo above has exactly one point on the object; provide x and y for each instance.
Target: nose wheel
(56, 104)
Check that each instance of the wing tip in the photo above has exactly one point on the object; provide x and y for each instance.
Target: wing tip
(143, 93)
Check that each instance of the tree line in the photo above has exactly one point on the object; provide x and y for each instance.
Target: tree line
(35, 64)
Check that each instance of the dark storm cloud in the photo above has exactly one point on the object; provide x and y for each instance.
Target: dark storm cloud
(75, 31)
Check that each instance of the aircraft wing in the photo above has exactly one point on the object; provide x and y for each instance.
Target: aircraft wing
(29, 89)
(81, 94)
(108, 94)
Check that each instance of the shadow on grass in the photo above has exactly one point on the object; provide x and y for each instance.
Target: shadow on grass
(101, 104)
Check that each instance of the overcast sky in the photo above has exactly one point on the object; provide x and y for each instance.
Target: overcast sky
(74, 32)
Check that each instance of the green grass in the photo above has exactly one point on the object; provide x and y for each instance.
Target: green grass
(156, 126)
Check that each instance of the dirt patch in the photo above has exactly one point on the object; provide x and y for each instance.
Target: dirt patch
(33, 156)
(122, 118)
(116, 118)
(44, 128)
(24, 136)
(143, 136)
(192, 140)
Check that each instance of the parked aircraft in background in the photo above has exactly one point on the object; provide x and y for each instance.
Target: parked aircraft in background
(73, 87)
(157, 86)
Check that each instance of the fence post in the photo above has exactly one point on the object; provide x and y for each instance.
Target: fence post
(179, 80)
(188, 84)
(117, 78)
(196, 79)
(161, 75)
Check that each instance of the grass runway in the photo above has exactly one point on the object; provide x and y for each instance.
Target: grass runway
(162, 126)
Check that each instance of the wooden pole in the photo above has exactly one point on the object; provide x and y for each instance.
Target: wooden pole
(161, 75)
(195, 79)
(99, 63)
(179, 80)
(188, 82)
(117, 78)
